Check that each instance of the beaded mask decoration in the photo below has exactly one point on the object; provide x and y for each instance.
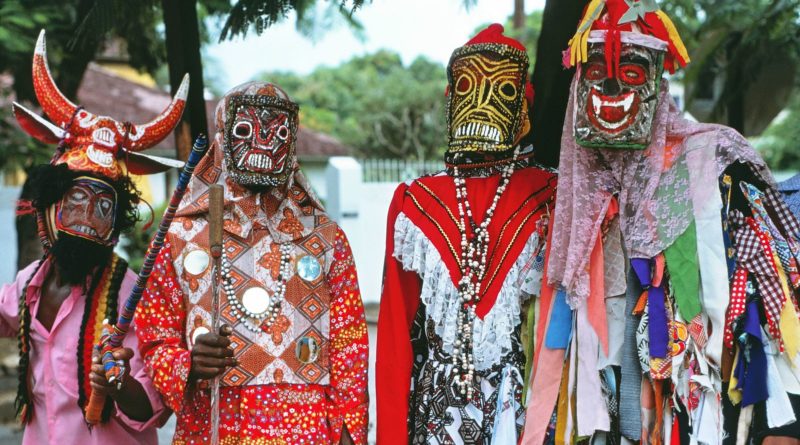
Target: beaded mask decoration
(87, 210)
(488, 99)
(260, 135)
(621, 48)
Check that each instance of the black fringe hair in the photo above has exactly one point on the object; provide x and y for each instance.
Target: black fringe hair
(48, 183)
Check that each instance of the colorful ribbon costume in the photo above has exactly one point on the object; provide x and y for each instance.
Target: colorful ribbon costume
(699, 221)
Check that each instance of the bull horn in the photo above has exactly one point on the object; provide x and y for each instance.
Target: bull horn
(147, 135)
(54, 104)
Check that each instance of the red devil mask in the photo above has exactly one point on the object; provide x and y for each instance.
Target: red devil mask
(97, 145)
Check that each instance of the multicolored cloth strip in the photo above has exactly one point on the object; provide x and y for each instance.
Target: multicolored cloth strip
(757, 258)
(658, 327)
(737, 304)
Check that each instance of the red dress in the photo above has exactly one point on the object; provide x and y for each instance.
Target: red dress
(277, 394)
(415, 398)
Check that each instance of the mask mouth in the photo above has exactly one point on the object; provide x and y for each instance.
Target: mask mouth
(85, 230)
(478, 131)
(612, 114)
(261, 161)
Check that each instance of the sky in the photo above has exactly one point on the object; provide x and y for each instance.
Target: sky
(432, 28)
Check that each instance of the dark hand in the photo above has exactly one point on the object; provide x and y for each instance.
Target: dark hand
(346, 439)
(211, 354)
(97, 378)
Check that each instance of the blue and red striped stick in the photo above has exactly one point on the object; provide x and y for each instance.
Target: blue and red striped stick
(112, 336)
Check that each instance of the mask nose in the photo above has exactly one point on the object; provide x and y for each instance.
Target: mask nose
(611, 87)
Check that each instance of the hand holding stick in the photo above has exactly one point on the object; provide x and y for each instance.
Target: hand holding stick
(215, 215)
(113, 335)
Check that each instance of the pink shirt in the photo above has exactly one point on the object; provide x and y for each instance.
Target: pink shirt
(56, 415)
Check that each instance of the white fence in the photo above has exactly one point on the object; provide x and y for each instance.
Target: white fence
(359, 202)
(396, 170)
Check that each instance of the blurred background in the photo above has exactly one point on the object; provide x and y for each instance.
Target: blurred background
(370, 79)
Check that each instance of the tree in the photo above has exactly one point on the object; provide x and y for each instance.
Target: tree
(744, 58)
(183, 51)
(550, 80)
(261, 14)
(375, 104)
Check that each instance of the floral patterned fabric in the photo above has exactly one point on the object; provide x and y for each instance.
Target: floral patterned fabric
(272, 413)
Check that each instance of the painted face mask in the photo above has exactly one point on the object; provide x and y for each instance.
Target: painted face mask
(621, 48)
(260, 139)
(486, 105)
(618, 110)
(87, 210)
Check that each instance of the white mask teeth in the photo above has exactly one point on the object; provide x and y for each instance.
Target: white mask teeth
(596, 104)
(627, 102)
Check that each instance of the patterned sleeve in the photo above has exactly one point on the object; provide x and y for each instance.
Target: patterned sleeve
(349, 345)
(160, 323)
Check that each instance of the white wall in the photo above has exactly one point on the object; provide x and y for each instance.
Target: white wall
(360, 208)
(8, 233)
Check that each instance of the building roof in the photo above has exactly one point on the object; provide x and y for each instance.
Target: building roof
(104, 92)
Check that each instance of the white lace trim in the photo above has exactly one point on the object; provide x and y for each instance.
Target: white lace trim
(492, 335)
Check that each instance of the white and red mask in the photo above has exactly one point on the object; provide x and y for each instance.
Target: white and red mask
(615, 108)
(87, 210)
(260, 136)
(621, 48)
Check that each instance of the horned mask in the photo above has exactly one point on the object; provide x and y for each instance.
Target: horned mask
(99, 145)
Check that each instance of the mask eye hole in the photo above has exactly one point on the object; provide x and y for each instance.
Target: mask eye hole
(283, 132)
(632, 74)
(105, 205)
(463, 84)
(243, 129)
(77, 196)
(508, 90)
(595, 71)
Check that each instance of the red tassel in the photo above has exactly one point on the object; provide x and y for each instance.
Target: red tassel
(25, 207)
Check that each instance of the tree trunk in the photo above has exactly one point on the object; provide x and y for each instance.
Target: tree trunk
(183, 56)
(734, 85)
(551, 80)
(519, 14)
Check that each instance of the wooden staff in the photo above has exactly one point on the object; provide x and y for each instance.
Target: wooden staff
(215, 215)
(112, 336)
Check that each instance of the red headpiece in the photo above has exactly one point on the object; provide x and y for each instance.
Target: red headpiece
(95, 144)
(494, 34)
(616, 17)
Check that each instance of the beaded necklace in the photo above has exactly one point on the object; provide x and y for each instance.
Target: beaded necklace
(256, 303)
(474, 250)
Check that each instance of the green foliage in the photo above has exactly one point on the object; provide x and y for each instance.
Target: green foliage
(749, 34)
(261, 14)
(778, 143)
(374, 104)
(528, 35)
(746, 34)
(135, 23)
